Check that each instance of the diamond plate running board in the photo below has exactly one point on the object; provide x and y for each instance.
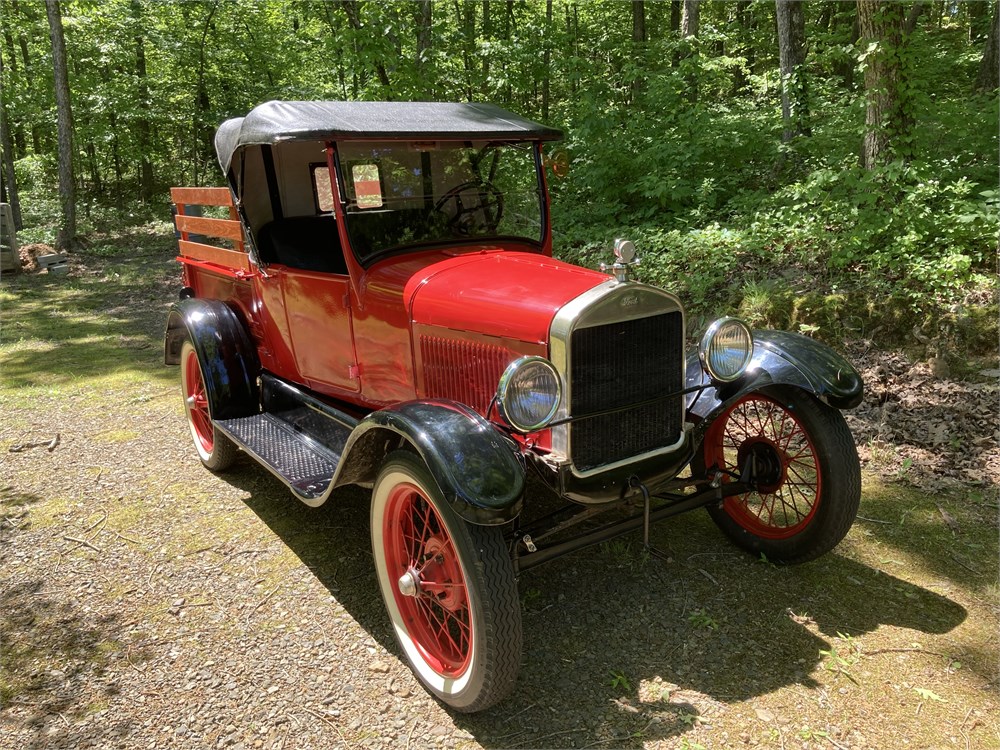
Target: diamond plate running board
(301, 462)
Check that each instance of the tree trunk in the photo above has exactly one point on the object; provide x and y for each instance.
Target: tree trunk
(354, 19)
(203, 130)
(9, 177)
(689, 18)
(487, 31)
(66, 237)
(988, 67)
(912, 17)
(424, 19)
(115, 152)
(638, 21)
(143, 128)
(638, 43)
(547, 61)
(888, 116)
(792, 56)
(675, 15)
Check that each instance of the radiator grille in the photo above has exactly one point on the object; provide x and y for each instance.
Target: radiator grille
(621, 366)
(464, 371)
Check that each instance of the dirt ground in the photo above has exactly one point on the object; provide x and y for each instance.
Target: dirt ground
(146, 603)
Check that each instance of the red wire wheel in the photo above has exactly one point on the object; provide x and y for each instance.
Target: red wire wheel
(432, 595)
(448, 587)
(216, 451)
(805, 469)
(196, 403)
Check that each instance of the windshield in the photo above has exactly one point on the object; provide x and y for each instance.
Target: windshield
(402, 194)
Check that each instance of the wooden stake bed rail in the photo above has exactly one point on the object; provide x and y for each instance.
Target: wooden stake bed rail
(199, 253)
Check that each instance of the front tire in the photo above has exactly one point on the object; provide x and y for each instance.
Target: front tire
(808, 474)
(448, 587)
(216, 451)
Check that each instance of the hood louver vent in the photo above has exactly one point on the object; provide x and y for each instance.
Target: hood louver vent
(464, 371)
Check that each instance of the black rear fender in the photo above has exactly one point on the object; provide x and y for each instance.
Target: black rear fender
(227, 355)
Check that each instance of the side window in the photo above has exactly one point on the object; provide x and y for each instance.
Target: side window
(322, 190)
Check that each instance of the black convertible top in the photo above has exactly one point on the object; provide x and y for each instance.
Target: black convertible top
(276, 121)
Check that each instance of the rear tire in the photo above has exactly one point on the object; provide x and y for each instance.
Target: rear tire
(216, 451)
(809, 476)
(448, 587)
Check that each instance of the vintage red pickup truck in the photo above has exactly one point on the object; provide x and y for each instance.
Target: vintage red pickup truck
(381, 308)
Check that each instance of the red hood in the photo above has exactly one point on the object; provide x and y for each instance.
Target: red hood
(504, 294)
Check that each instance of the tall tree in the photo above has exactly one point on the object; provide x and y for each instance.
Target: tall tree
(888, 112)
(690, 17)
(989, 65)
(143, 126)
(547, 61)
(638, 21)
(424, 21)
(792, 57)
(9, 192)
(66, 237)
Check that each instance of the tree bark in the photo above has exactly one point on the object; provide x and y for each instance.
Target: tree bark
(9, 177)
(424, 19)
(638, 21)
(143, 127)
(888, 116)
(792, 57)
(487, 32)
(66, 236)
(912, 17)
(675, 15)
(203, 130)
(689, 18)
(547, 61)
(988, 67)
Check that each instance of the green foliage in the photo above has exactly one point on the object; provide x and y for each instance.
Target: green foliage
(675, 143)
(620, 682)
(701, 619)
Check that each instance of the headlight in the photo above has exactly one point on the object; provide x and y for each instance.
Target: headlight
(529, 393)
(726, 349)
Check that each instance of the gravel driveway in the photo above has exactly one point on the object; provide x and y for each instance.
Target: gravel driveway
(146, 603)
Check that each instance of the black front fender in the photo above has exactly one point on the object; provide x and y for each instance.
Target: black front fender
(478, 470)
(779, 358)
(228, 358)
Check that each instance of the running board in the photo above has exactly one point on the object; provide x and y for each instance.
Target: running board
(299, 438)
(295, 458)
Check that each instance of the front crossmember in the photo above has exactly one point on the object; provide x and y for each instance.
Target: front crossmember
(527, 542)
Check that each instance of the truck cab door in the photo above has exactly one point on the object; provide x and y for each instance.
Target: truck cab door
(318, 309)
(306, 276)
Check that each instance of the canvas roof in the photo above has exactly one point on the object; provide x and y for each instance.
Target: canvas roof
(277, 121)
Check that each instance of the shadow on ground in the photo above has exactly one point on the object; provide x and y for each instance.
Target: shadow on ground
(622, 648)
(53, 654)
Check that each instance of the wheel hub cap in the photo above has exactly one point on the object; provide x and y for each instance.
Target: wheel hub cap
(409, 583)
(768, 467)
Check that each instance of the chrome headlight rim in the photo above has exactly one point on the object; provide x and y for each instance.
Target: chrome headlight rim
(705, 349)
(509, 378)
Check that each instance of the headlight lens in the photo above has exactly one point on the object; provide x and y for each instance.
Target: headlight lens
(726, 349)
(529, 393)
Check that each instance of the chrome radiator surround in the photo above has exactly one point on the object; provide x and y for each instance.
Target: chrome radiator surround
(611, 302)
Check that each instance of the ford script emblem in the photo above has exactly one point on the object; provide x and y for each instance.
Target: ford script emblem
(630, 300)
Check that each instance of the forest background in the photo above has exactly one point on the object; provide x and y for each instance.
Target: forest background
(818, 166)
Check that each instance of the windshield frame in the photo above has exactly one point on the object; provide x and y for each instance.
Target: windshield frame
(346, 210)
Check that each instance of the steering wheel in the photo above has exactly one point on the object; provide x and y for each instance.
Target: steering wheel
(477, 206)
